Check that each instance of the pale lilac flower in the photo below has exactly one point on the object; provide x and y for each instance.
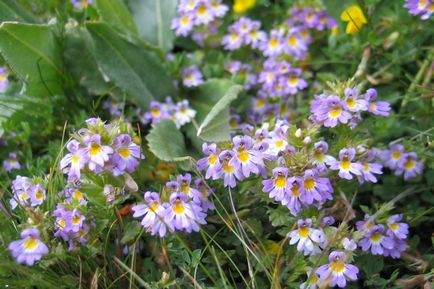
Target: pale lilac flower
(409, 166)
(337, 271)
(205, 203)
(376, 240)
(293, 82)
(4, 81)
(152, 213)
(37, 195)
(29, 249)
(381, 108)
(185, 187)
(233, 40)
(396, 228)
(182, 25)
(232, 66)
(307, 238)
(211, 162)
(192, 76)
(183, 113)
(320, 158)
(393, 156)
(255, 36)
(273, 45)
(182, 214)
(278, 141)
(157, 112)
(348, 244)
(81, 3)
(425, 8)
(313, 281)
(277, 187)
(218, 9)
(97, 153)
(126, 155)
(229, 173)
(315, 188)
(11, 163)
(345, 166)
(246, 158)
(329, 110)
(369, 168)
(352, 101)
(73, 162)
(294, 44)
(203, 13)
(293, 199)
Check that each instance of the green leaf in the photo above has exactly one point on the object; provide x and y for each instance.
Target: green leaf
(11, 10)
(134, 69)
(131, 231)
(215, 127)
(33, 54)
(166, 142)
(8, 105)
(153, 20)
(116, 14)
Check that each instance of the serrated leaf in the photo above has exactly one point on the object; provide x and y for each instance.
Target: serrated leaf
(215, 127)
(153, 20)
(133, 69)
(11, 10)
(166, 142)
(116, 14)
(33, 54)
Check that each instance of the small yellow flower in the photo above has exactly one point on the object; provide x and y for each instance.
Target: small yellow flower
(241, 6)
(355, 18)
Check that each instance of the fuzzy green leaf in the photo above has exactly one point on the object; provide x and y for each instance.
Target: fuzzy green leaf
(134, 69)
(33, 54)
(215, 127)
(116, 14)
(11, 10)
(153, 20)
(166, 142)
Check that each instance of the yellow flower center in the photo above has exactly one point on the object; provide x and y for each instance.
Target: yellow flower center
(124, 152)
(279, 143)
(260, 103)
(154, 206)
(23, 196)
(30, 243)
(76, 220)
(280, 182)
(396, 155)
(376, 237)
(202, 10)
(293, 80)
(2, 77)
(351, 103)
(178, 207)
(39, 194)
(75, 159)
(292, 41)
(309, 184)
(431, 8)
(94, 149)
(372, 106)
(78, 195)
(243, 156)
(394, 226)
(184, 188)
(313, 279)
(273, 43)
(337, 266)
(185, 20)
(335, 112)
(365, 167)
(228, 169)
(155, 112)
(409, 164)
(212, 159)
(422, 4)
(319, 156)
(303, 232)
(61, 223)
(234, 37)
(295, 190)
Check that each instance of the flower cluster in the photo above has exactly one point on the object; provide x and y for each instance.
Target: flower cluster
(244, 32)
(26, 192)
(185, 210)
(244, 71)
(387, 239)
(29, 249)
(100, 148)
(401, 162)
(11, 163)
(425, 8)
(180, 112)
(309, 18)
(194, 13)
(4, 81)
(330, 109)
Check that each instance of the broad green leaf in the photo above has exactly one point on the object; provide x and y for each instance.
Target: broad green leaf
(11, 10)
(116, 14)
(166, 142)
(80, 60)
(134, 69)
(8, 105)
(33, 54)
(153, 20)
(215, 127)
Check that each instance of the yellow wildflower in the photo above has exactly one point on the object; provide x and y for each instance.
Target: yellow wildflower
(241, 6)
(355, 18)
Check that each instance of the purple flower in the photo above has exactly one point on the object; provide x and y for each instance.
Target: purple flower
(73, 162)
(229, 173)
(81, 3)
(157, 113)
(126, 155)
(204, 201)
(293, 83)
(184, 182)
(232, 41)
(97, 154)
(255, 36)
(420, 7)
(183, 113)
(37, 195)
(232, 66)
(369, 168)
(192, 76)
(152, 212)
(29, 249)
(211, 162)
(320, 159)
(308, 238)
(345, 166)
(409, 166)
(26, 193)
(352, 101)
(203, 13)
(183, 214)
(278, 185)
(393, 156)
(329, 110)
(376, 240)
(273, 45)
(246, 158)
(293, 199)
(399, 230)
(182, 25)
(381, 108)
(337, 270)
(218, 9)
(315, 188)
(4, 81)
(11, 163)
(294, 44)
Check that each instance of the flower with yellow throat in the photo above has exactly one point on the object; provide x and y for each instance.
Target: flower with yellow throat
(355, 18)
(241, 6)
